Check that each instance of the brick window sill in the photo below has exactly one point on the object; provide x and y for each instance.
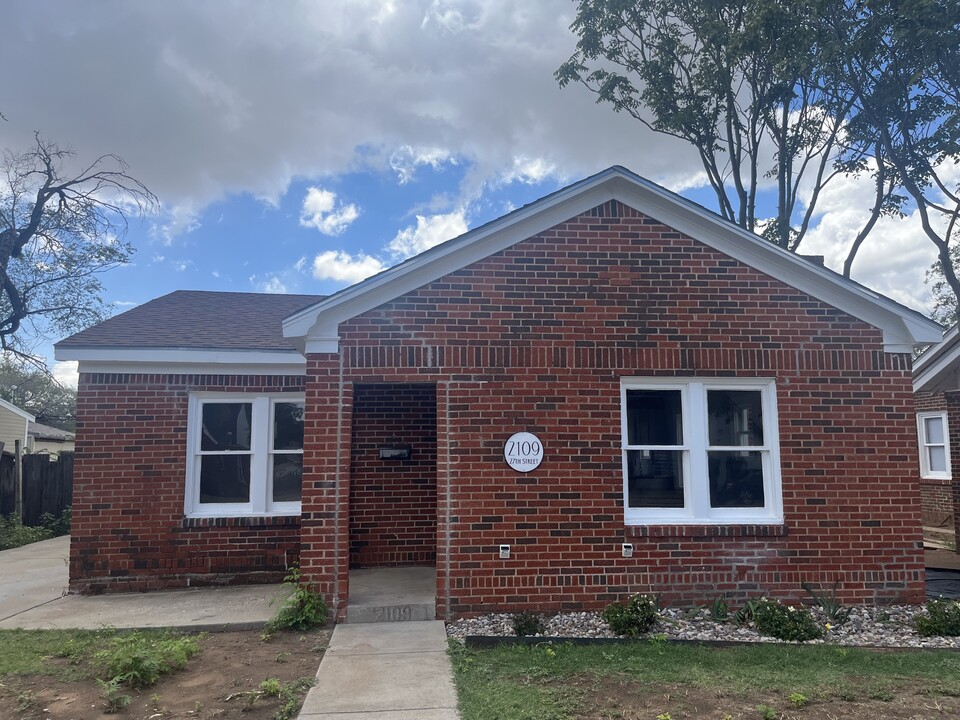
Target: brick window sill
(946, 482)
(699, 531)
(242, 521)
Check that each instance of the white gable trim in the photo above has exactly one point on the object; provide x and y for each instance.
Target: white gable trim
(315, 329)
(17, 411)
(939, 367)
(165, 361)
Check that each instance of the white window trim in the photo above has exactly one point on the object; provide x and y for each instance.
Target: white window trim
(925, 472)
(261, 461)
(696, 489)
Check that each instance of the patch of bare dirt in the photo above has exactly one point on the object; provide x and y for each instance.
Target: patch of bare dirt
(229, 664)
(621, 699)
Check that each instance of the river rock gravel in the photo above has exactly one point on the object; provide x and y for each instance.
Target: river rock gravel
(888, 626)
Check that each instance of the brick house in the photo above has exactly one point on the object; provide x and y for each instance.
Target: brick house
(608, 391)
(936, 382)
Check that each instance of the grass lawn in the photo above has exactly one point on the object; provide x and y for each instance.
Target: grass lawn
(656, 680)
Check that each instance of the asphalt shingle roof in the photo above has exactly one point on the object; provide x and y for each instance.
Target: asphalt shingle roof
(198, 319)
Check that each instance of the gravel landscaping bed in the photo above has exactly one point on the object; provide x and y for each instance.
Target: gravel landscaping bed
(889, 626)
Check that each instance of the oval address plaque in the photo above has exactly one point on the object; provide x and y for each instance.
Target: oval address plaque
(523, 452)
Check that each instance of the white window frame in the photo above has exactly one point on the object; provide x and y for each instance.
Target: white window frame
(261, 457)
(696, 508)
(925, 472)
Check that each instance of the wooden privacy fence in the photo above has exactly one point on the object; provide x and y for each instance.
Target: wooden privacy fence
(47, 485)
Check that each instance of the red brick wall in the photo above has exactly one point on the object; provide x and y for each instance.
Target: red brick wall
(393, 503)
(129, 531)
(537, 337)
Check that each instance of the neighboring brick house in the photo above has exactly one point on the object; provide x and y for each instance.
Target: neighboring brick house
(629, 392)
(936, 383)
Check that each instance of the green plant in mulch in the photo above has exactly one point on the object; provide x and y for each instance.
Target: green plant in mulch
(527, 623)
(785, 622)
(942, 618)
(719, 610)
(635, 617)
(837, 614)
(303, 609)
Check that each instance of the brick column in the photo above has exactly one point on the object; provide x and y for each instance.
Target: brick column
(325, 549)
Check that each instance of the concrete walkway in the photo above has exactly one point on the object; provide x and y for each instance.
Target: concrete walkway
(384, 671)
(33, 580)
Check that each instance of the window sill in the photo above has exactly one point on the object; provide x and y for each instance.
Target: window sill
(698, 531)
(936, 480)
(242, 521)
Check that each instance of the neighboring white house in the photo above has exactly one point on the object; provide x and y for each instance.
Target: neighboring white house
(13, 425)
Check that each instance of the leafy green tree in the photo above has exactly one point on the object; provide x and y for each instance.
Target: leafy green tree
(736, 79)
(60, 227)
(899, 63)
(35, 391)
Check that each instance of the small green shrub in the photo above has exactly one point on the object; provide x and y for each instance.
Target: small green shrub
(57, 525)
(785, 622)
(767, 713)
(14, 534)
(138, 659)
(635, 617)
(745, 614)
(942, 618)
(113, 700)
(837, 614)
(798, 699)
(303, 609)
(719, 610)
(527, 623)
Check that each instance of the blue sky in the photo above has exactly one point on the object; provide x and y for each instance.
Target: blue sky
(296, 146)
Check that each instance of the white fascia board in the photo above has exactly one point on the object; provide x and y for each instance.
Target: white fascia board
(17, 411)
(939, 363)
(902, 328)
(185, 361)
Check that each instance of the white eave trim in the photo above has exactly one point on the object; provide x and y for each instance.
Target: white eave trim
(17, 411)
(902, 328)
(185, 361)
(937, 363)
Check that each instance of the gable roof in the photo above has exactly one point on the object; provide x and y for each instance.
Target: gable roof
(314, 328)
(15, 410)
(939, 367)
(210, 326)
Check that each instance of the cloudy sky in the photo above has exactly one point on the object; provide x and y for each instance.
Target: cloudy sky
(301, 146)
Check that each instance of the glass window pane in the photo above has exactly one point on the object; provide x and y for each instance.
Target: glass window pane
(287, 477)
(938, 459)
(735, 417)
(288, 426)
(934, 430)
(655, 478)
(654, 417)
(225, 479)
(226, 426)
(736, 478)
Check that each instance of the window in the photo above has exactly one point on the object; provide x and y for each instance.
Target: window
(934, 446)
(245, 455)
(700, 451)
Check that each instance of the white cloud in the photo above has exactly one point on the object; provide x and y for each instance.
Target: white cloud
(405, 161)
(429, 231)
(234, 97)
(65, 372)
(344, 267)
(529, 171)
(322, 211)
(273, 285)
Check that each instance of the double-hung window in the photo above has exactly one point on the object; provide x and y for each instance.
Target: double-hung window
(934, 445)
(245, 455)
(700, 451)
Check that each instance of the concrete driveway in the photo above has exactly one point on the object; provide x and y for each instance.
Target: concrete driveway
(33, 586)
(32, 575)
